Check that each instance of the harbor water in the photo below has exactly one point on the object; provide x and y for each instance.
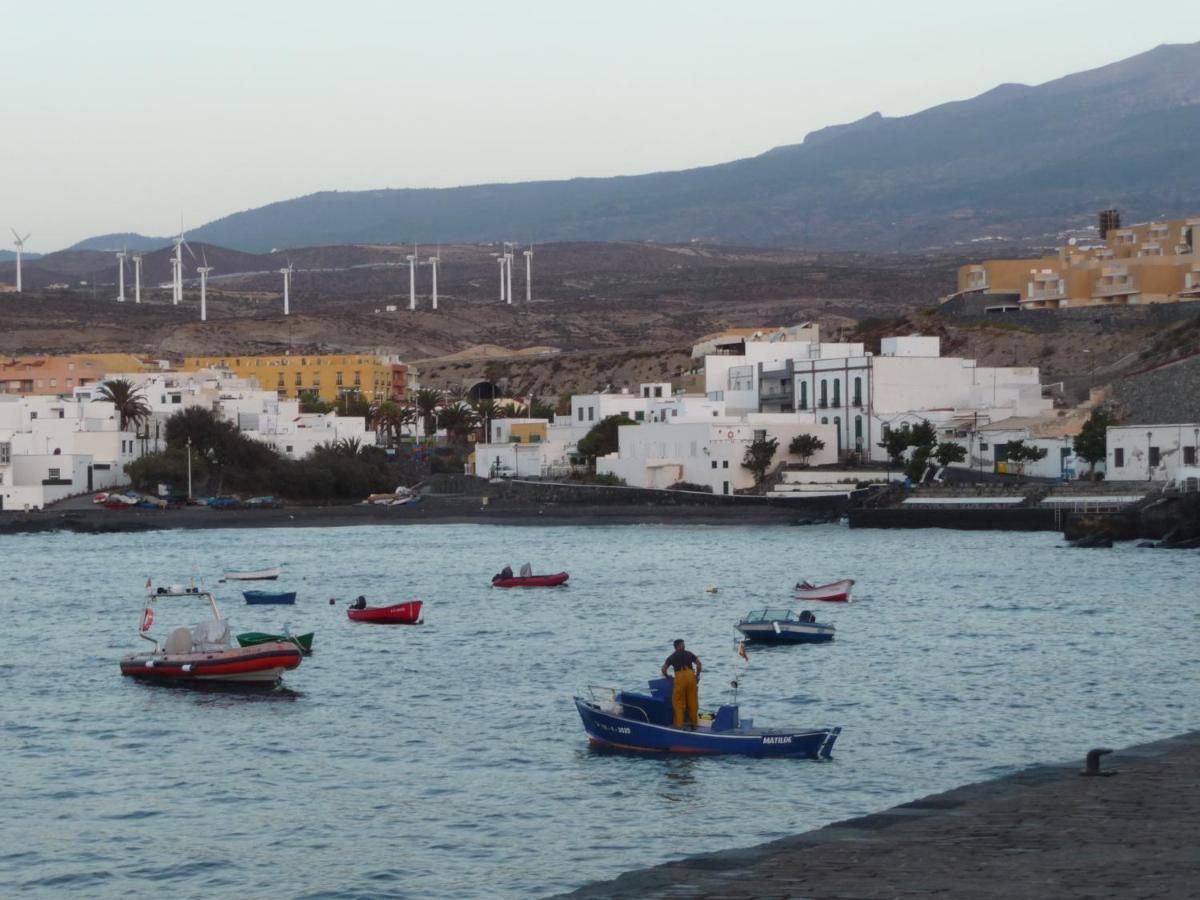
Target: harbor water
(447, 760)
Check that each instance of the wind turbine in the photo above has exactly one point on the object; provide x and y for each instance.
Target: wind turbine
(175, 285)
(204, 270)
(19, 243)
(508, 255)
(529, 274)
(177, 293)
(287, 283)
(434, 261)
(121, 254)
(412, 278)
(137, 278)
(503, 260)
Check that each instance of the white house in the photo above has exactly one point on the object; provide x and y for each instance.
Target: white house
(660, 454)
(55, 447)
(1151, 452)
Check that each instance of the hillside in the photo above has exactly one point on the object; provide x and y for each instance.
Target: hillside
(1018, 161)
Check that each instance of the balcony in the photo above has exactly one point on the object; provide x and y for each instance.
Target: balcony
(977, 279)
(776, 392)
(1045, 291)
(1114, 281)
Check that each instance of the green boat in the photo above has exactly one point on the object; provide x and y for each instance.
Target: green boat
(303, 641)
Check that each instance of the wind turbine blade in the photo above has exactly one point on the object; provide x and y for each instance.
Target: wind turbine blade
(204, 255)
(14, 231)
(189, 249)
(27, 237)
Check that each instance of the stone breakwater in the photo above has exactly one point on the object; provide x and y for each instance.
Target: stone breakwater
(1042, 832)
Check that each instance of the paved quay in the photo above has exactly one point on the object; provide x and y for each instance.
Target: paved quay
(1042, 832)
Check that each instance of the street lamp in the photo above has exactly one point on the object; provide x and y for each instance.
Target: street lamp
(189, 467)
(1149, 464)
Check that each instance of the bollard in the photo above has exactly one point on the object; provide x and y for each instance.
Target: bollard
(1093, 762)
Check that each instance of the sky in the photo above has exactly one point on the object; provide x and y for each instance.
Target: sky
(133, 116)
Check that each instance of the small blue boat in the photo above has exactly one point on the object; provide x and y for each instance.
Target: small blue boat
(783, 626)
(631, 721)
(258, 598)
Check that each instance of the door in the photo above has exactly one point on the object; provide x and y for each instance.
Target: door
(1000, 454)
(89, 479)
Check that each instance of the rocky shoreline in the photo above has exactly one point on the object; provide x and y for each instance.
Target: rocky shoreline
(1041, 832)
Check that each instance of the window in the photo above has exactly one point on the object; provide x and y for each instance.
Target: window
(824, 394)
(658, 391)
(299, 379)
(837, 392)
(1189, 456)
(804, 395)
(55, 474)
(724, 464)
(714, 462)
(338, 380)
(646, 392)
(857, 390)
(638, 416)
(5, 454)
(581, 414)
(281, 384)
(1154, 457)
(53, 382)
(1119, 458)
(983, 446)
(33, 414)
(674, 412)
(289, 448)
(592, 414)
(357, 379)
(824, 420)
(724, 487)
(741, 378)
(316, 379)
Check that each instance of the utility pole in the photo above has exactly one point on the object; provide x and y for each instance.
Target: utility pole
(189, 467)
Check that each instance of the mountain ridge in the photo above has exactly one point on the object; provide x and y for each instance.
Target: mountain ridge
(1018, 160)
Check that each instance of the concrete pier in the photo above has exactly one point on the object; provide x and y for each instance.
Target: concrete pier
(1042, 832)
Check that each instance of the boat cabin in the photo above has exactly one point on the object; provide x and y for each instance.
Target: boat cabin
(656, 709)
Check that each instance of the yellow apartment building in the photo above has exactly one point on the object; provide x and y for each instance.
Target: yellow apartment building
(1153, 262)
(54, 375)
(328, 376)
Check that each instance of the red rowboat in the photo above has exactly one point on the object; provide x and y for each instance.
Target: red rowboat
(397, 614)
(835, 591)
(531, 580)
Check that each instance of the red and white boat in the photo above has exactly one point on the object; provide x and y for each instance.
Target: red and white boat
(396, 614)
(204, 652)
(834, 592)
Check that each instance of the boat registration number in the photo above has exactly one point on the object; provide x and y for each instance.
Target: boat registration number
(782, 739)
(617, 729)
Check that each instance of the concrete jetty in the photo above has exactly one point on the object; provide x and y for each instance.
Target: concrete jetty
(1042, 832)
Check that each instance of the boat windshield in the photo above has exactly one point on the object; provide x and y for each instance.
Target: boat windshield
(771, 615)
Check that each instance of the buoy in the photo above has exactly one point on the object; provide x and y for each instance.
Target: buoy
(711, 589)
(332, 601)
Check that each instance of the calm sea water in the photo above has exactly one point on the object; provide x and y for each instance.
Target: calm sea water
(448, 760)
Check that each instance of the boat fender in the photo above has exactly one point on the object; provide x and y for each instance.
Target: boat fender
(149, 664)
(775, 625)
(187, 667)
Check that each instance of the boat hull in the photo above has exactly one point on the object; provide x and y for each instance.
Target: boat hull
(622, 733)
(260, 664)
(532, 581)
(834, 592)
(788, 633)
(270, 598)
(254, 638)
(397, 614)
(256, 575)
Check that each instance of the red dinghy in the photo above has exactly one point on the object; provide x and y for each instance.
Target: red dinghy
(528, 581)
(835, 591)
(397, 614)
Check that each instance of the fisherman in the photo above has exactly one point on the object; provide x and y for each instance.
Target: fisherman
(686, 695)
(360, 602)
(503, 574)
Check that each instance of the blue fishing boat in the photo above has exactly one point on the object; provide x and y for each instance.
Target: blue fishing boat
(783, 626)
(625, 720)
(258, 598)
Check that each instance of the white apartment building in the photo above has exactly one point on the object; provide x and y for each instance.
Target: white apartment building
(1151, 452)
(710, 453)
(55, 447)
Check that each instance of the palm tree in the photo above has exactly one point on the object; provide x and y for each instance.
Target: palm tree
(486, 411)
(458, 419)
(427, 402)
(127, 400)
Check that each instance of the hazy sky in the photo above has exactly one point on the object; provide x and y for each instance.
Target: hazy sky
(120, 116)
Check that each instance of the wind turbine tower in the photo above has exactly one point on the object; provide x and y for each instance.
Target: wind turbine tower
(412, 278)
(121, 254)
(177, 293)
(204, 270)
(529, 274)
(503, 260)
(19, 243)
(137, 278)
(176, 288)
(287, 283)
(508, 255)
(435, 261)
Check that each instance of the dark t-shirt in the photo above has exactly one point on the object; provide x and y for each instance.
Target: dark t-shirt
(681, 659)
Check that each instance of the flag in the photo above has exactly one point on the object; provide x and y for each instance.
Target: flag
(742, 651)
(147, 618)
